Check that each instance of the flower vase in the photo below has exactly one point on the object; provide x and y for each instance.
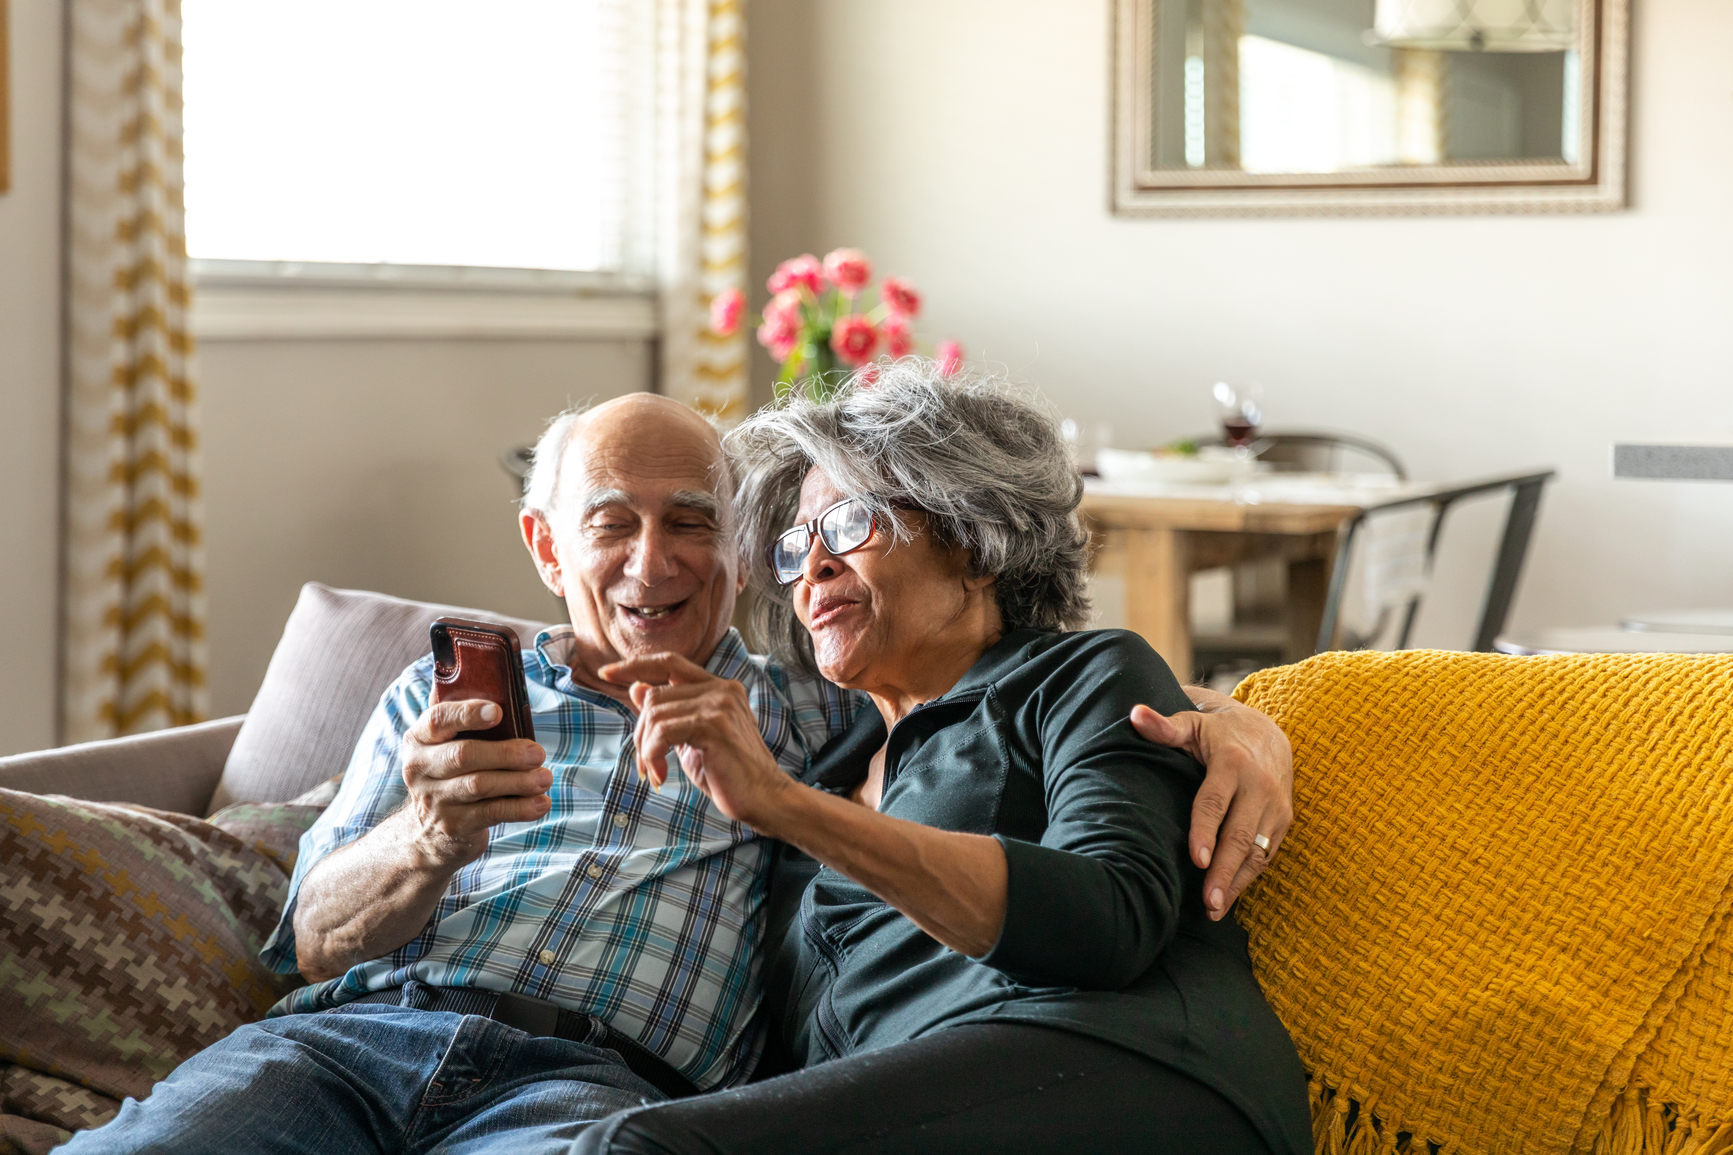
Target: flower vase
(814, 373)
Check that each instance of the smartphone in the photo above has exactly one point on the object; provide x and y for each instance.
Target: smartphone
(479, 660)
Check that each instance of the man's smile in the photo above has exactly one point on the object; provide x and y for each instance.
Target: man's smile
(654, 613)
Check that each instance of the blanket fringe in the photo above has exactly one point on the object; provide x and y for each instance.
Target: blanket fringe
(1344, 1123)
(1720, 1143)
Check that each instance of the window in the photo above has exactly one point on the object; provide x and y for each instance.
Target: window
(1303, 111)
(506, 135)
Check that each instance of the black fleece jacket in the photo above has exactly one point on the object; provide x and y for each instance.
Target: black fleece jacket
(1105, 932)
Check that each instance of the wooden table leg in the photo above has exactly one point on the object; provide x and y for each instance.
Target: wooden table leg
(1158, 594)
(1308, 586)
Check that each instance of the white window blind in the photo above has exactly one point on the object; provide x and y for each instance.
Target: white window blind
(513, 134)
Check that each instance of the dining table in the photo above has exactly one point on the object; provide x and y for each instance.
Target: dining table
(1148, 539)
(1612, 640)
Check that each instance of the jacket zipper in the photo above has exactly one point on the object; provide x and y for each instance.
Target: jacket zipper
(830, 1033)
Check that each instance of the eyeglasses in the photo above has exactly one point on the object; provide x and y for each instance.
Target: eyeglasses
(844, 528)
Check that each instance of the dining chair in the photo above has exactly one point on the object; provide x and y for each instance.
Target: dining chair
(1289, 451)
(1525, 494)
(1244, 642)
(516, 462)
(1249, 644)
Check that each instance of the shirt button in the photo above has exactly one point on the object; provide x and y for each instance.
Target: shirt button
(547, 958)
(595, 871)
(620, 820)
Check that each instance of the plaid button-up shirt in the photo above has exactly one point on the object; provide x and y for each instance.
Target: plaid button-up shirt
(641, 907)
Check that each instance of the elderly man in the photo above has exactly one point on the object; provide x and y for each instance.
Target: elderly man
(506, 941)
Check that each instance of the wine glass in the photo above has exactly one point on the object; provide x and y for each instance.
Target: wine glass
(1241, 409)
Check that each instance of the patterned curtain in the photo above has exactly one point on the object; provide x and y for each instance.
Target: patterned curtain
(133, 614)
(1224, 22)
(702, 232)
(1422, 104)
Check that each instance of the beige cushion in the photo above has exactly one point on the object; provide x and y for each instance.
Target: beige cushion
(340, 649)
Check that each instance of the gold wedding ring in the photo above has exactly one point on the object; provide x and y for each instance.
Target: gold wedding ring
(1263, 842)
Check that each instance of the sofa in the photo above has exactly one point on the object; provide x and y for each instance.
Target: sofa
(1503, 920)
(131, 919)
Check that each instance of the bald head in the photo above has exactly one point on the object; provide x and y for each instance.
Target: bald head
(650, 406)
(646, 428)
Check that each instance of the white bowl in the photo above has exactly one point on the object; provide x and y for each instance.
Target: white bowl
(1135, 465)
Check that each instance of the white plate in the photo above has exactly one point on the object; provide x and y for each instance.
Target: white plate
(1135, 465)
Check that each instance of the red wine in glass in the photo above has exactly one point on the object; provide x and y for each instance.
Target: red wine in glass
(1240, 408)
(1238, 431)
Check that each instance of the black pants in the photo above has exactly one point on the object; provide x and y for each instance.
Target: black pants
(998, 1089)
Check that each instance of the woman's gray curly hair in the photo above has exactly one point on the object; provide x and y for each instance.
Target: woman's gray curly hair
(983, 460)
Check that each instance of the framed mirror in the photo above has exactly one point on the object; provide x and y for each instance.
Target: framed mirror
(1260, 107)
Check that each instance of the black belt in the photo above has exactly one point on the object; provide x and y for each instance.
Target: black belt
(544, 1020)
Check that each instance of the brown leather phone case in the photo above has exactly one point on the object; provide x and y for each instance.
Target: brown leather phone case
(479, 660)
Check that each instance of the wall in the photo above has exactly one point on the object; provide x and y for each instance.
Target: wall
(964, 144)
(782, 125)
(30, 379)
(375, 465)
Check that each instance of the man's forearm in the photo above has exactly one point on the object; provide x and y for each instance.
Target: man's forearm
(366, 899)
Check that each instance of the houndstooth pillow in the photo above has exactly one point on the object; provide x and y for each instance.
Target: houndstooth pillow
(129, 940)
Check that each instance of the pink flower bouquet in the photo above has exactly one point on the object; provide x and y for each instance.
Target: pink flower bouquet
(816, 328)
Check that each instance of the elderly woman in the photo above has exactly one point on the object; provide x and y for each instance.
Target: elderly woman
(1006, 948)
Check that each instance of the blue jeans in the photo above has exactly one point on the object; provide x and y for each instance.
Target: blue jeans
(374, 1078)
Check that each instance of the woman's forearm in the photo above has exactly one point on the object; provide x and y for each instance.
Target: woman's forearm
(950, 885)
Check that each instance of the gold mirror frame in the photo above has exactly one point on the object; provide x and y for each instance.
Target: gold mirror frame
(1594, 183)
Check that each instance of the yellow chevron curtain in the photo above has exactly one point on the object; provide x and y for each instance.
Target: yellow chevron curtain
(132, 628)
(702, 108)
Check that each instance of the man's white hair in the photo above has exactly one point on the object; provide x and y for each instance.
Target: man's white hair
(542, 482)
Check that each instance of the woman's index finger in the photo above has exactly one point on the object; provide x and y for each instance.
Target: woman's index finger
(654, 669)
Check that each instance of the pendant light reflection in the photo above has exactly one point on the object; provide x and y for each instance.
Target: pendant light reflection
(1475, 25)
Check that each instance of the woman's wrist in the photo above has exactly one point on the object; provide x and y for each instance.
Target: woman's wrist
(780, 808)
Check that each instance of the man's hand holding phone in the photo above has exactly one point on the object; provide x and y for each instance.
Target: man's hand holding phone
(460, 787)
(470, 761)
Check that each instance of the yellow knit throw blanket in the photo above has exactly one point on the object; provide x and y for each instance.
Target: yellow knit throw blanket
(1500, 922)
